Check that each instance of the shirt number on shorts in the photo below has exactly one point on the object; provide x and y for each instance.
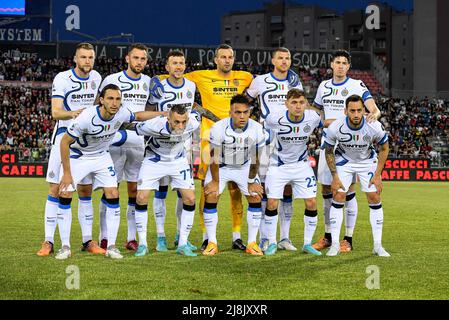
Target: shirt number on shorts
(184, 172)
(371, 175)
(112, 171)
(311, 180)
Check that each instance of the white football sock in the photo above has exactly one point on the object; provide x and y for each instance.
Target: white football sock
(103, 225)
(65, 223)
(376, 218)
(262, 232)
(112, 222)
(179, 206)
(309, 228)
(159, 210)
(85, 217)
(211, 221)
(285, 218)
(271, 223)
(186, 226)
(253, 219)
(350, 214)
(131, 221)
(327, 203)
(51, 218)
(141, 225)
(336, 220)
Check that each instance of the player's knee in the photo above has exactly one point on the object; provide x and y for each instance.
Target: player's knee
(310, 204)
(326, 189)
(339, 197)
(53, 190)
(111, 193)
(141, 198)
(272, 204)
(132, 189)
(84, 190)
(254, 199)
(188, 199)
(211, 198)
(373, 197)
(65, 194)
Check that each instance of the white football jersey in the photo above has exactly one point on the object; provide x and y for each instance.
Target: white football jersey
(76, 92)
(184, 94)
(236, 145)
(291, 137)
(332, 97)
(271, 93)
(93, 134)
(163, 145)
(135, 91)
(135, 95)
(355, 145)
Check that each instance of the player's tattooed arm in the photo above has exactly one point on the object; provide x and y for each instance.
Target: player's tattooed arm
(67, 179)
(330, 159)
(381, 159)
(205, 113)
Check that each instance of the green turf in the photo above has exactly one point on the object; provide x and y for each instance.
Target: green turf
(415, 233)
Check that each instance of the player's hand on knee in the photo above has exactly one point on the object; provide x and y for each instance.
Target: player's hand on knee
(211, 188)
(293, 78)
(336, 185)
(255, 189)
(377, 182)
(66, 181)
(156, 87)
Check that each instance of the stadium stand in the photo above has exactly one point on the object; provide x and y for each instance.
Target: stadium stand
(418, 128)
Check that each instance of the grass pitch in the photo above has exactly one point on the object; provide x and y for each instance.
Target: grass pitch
(416, 225)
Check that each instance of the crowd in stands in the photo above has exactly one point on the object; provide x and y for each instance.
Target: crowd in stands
(26, 124)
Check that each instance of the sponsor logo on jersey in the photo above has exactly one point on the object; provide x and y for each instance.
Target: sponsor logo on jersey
(367, 139)
(189, 94)
(236, 82)
(93, 85)
(145, 87)
(344, 92)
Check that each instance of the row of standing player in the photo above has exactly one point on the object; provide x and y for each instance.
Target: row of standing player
(129, 80)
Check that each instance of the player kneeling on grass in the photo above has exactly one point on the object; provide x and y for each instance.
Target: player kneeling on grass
(166, 157)
(289, 164)
(235, 142)
(355, 155)
(84, 152)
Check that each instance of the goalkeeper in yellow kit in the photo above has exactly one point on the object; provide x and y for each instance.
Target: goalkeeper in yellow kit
(216, 88)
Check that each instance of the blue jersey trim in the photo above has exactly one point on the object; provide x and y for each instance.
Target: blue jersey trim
(339, 84)
(99, 115)
(288, 119)
(384, 140)
(355, 129)
(132, 79)
(175, 87)
(61, 130)
(79, 78)
(57, 96)
(272, 75)
(71, 135)
(122, 140)
(366, 96)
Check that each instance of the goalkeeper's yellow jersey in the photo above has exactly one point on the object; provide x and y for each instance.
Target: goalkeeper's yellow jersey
(216, 91)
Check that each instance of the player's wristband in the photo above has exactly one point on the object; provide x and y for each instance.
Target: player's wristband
(251, 180)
